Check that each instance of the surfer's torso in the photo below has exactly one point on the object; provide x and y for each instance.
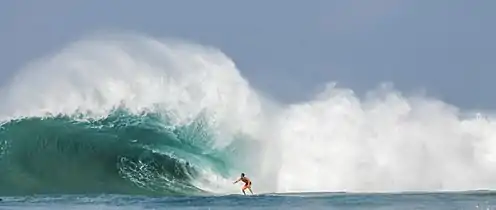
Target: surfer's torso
(245, 180)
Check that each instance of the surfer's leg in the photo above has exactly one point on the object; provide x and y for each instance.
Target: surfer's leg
(249, 187)
(243, 189)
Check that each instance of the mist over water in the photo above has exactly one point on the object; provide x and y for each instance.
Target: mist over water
(337, 141)
(385, 142)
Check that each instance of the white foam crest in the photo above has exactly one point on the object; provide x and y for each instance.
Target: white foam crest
(98, 74)
(387, 142)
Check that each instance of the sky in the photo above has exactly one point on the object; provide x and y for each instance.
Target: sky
(287, 48)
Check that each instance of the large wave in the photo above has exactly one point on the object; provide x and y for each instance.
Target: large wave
(121, 153)
(137, 115)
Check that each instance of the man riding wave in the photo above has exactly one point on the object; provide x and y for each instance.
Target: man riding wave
(247, 182)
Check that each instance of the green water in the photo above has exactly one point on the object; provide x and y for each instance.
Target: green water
(122, 153)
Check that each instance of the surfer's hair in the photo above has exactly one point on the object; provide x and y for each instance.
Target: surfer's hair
(242, 174)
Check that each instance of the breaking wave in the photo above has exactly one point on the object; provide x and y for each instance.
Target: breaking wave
(131, 114)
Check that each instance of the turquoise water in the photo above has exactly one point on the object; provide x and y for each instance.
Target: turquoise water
(119, 154)
(439, 201)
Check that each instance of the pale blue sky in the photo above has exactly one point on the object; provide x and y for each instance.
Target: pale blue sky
(288, 48)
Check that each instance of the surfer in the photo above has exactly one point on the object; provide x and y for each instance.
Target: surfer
(247, 182)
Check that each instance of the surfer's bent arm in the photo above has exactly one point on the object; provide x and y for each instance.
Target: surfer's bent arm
(237, 181)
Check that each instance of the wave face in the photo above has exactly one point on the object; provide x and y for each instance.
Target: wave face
(131, 114)
(121, 153)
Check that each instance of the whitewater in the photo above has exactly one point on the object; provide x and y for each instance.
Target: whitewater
(134, 114)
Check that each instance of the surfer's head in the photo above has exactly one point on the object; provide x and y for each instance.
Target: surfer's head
(242, 174)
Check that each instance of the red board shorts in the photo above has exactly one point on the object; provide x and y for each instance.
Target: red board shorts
(247, 185)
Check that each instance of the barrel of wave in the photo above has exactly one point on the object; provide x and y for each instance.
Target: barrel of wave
(95, 75)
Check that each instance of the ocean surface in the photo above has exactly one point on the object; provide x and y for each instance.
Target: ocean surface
(134, 122)
(439, 201)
